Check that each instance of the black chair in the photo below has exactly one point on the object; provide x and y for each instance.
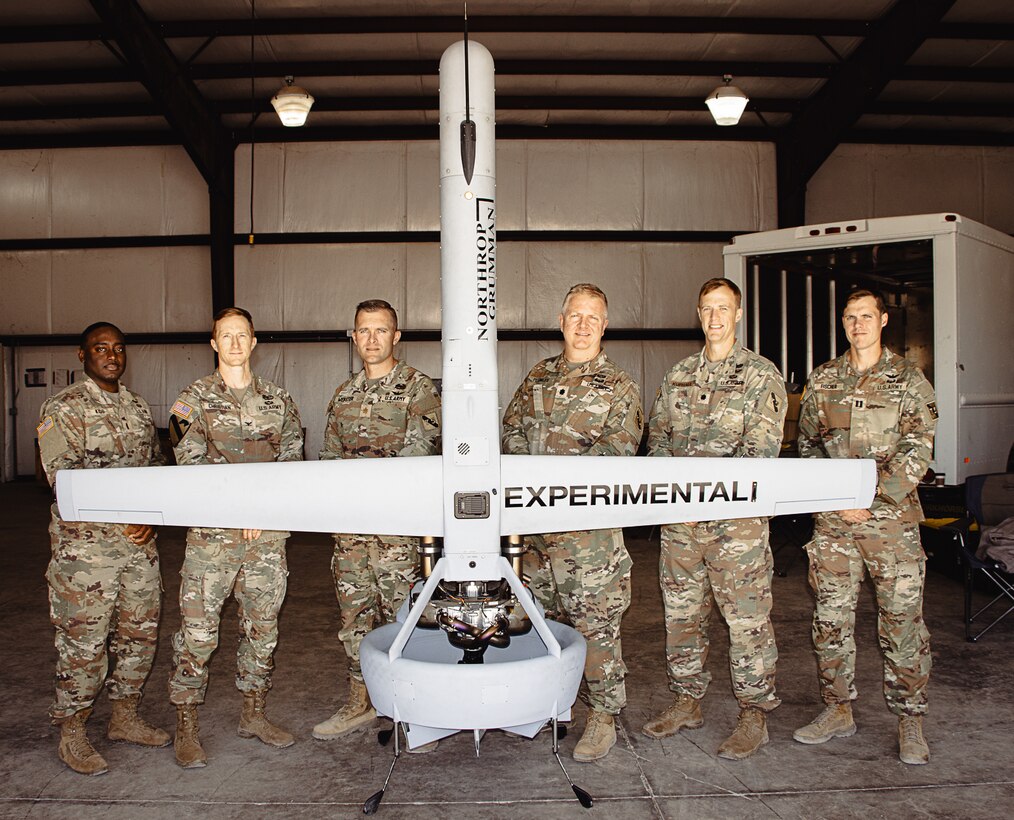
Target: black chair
(989, 500)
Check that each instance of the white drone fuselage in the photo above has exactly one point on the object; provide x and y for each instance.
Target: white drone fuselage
(471, 495)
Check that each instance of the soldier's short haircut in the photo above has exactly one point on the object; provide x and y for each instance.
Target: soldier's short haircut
(587, 289)
(859, 293)
(225, 313)
(88, 331)
(371, 305)
(721, 282)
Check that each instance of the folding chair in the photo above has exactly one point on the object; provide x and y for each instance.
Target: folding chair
(989, 500)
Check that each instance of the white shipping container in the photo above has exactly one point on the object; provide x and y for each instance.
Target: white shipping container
(949, 283)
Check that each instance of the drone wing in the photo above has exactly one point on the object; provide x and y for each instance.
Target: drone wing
(383, 496)
(561, 493)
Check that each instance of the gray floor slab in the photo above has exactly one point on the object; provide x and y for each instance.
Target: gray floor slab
(970, 727)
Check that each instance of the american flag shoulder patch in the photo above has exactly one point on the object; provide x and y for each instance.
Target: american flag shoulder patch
(45, 426)
(181, 408)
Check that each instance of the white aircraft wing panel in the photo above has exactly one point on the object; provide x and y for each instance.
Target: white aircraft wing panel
(562, 493)
(382, 496)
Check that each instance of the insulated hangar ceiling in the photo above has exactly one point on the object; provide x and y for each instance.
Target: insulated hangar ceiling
(89, 72)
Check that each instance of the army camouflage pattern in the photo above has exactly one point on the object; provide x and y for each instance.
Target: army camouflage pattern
(733, 408)
(395, 415)
(372, 577)
(732, 561)
(210, 426)
(217, 564)
(593, 409)
(893, 556)
(99, 581)
(581, 577)
(888, 414)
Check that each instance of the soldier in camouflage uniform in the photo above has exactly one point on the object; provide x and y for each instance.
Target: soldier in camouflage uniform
(230, 417)
(104, 582)
(581, 403)
(870, 403)
(725, 401)
(388, 409)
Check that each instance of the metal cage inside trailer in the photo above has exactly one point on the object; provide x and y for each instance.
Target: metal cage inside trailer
(949, 286)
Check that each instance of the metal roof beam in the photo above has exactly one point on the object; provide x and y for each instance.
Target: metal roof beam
(574, 68)
(812, 135)
(505, 102)
(208, 143)
(597, 24)
(897, 136)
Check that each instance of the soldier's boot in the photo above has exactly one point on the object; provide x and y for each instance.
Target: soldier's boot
(356, 712)
(598, 738)
(685, 713)
(187, 744)
(254, 723)
(75, 750)
(912, 746)
(835, 721)
(750, 734)
(127, 726)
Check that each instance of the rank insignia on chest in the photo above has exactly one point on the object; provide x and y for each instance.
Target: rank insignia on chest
(45, 426)
(561, 392)
(182, 409)
(858, 404)
(365, 411)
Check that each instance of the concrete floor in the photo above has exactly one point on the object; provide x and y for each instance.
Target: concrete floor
(971, 774)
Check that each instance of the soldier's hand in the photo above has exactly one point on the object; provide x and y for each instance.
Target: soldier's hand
(690, 523)
(251, 535)
(855, 516)
(139, 533)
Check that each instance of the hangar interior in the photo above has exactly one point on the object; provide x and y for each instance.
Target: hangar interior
(146, 181)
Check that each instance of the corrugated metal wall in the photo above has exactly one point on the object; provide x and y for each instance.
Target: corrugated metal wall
(392, 187)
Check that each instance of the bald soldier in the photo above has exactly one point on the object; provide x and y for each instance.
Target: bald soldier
(104, 582)
(724, 402)
(870, 403)
(386, 410)
(230, 417)
(581, 403)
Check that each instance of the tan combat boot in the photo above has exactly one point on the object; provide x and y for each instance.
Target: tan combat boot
(912, 746)
(685, 713)
(129, 727)
(189, 753)
(356, 712)
(751, 733)
(254, 723)
(598, 738)
(75, 750)
(835, 721)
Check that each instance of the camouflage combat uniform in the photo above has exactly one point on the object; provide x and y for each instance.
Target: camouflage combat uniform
(210, 426)
(582, 577)
(396, 415)
(889, 414)
(731, 408)
(102, 586)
